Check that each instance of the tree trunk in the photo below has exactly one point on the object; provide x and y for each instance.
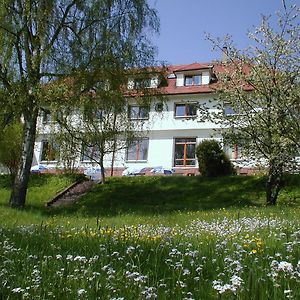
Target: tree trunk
(18, 195)
(101, 161)
(114, 146)
(274, 183)
(113, 158)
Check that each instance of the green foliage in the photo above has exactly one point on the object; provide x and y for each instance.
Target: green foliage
(10, 146)
(261, 86)
(212, 159)
(41, 41)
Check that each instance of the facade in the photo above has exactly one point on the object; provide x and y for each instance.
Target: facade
(173, 126)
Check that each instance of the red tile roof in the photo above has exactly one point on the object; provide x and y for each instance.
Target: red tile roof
(191, 67)
(172, 89)
(213, 67)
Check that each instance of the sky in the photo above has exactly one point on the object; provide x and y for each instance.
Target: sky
(183, 24)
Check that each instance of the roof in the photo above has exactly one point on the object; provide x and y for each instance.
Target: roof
(172, 89)
(191, 67)
(172, 72)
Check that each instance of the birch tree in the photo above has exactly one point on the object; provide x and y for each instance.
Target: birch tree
(44, 40)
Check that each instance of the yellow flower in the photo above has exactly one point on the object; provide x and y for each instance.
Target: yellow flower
(253, 251)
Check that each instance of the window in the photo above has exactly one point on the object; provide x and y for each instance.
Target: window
(95, 114)
(49, 151)
(49, 117)
(136, 112)
(138, 150)
(233, 152)
(228, 110)
(89, 153)
(186, 110)
(46, 116)
(192, 80)
(142, 83)
(185, 152)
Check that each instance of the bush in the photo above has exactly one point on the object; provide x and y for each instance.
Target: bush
(212, 159)
(10, 146)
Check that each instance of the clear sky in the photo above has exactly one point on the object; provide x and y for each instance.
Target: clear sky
(184, 23)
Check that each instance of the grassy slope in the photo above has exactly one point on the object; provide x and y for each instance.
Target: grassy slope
(41, 189)
(144, 199)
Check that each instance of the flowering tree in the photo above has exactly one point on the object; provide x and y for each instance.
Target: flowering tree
(259, 90)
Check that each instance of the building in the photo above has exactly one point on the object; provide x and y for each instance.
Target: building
(174, 126)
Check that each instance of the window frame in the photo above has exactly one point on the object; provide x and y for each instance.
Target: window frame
(142, 83)
(139, 114)
(186, 105)
(193, 141)
(232, 151)
(54, 148)
(227, 106)
(94, 153)
(192, 78)
(137, 144)
(47, 117)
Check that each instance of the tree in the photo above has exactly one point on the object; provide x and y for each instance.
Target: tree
(43, 40)
(10, 147)
(259, 92)
(102, 125)
(212, 159)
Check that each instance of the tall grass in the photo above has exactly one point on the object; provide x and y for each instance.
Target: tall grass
(154, 238)
(248, 258)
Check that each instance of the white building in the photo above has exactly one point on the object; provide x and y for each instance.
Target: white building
(175, 125)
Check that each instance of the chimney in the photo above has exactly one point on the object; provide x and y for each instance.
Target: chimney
(224, 54)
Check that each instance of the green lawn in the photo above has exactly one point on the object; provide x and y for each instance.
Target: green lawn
(134, 199)
(152, 238)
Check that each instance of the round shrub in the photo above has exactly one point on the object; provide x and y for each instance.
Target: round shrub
(212, 159)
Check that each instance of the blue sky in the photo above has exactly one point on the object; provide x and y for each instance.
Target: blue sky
(184, 23)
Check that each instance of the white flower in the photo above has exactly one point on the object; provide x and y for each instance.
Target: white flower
(17, 290)
(130, 249)
(186, 272)
(149, 293)
(80, 258)
(81, 292)
(236, 281)
(285, 267)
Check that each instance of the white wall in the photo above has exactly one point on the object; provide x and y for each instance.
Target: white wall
(162, 129)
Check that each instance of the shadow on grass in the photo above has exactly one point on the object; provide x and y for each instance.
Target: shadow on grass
(153, 195)
(42, 188)
(160, 195)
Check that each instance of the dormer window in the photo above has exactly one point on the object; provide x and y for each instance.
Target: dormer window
(193, 80)
(142, 83)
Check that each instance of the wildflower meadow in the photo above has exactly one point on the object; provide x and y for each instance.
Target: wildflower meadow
(232, 253)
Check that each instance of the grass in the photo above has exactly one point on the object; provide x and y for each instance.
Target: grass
(152, 238)
(42, 188)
